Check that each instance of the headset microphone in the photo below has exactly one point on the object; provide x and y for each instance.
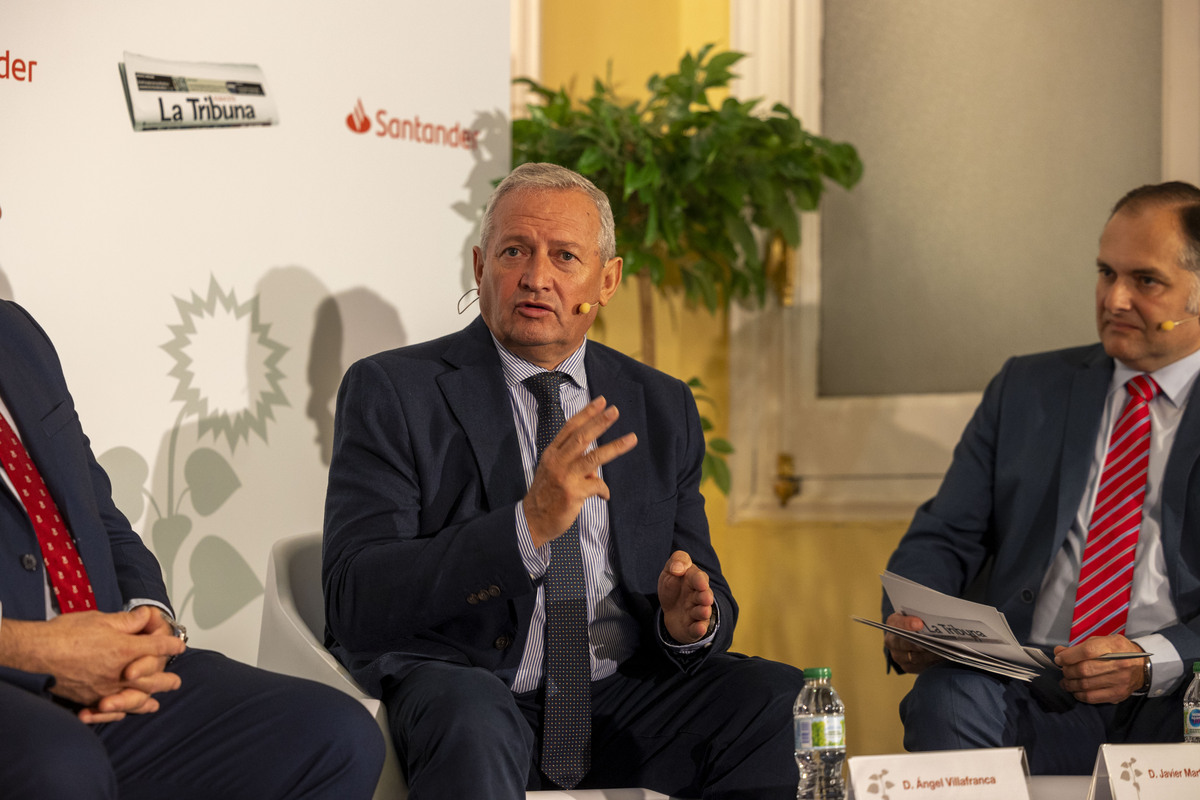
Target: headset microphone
(586, 307)
(1169, 325)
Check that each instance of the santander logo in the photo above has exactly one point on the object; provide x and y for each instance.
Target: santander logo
(413, 129)
(358, 121)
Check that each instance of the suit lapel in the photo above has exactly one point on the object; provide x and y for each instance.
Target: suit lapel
(41, 413)
(1176, 478)
(1084, 410)
(626, 475)
(478, 398)
(28, 402)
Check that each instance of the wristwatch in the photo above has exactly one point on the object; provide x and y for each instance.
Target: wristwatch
(1147, 675)
(178, 630)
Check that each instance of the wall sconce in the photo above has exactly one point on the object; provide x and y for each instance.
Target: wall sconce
(781, 269)
(787, 482)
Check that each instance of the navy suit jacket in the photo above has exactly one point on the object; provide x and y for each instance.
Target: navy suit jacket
(420, 555)
(119, 565)
(1015, 485)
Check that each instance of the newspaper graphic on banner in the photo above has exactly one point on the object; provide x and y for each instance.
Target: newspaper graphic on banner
(163, 95)
(962, 631)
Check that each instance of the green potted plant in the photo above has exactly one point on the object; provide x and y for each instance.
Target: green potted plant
(695, 187)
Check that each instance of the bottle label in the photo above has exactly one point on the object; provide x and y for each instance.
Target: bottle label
(1191, 721)
(820, 733)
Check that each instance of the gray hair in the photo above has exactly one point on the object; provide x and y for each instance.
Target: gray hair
(536, 176)
(1184, 198)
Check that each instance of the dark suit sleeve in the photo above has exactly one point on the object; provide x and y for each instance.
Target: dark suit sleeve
(692, 531)
(951, 535)
(669, 513)
(139, 575)
(407, 547)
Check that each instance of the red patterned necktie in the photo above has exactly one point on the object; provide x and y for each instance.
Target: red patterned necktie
(1106, 575)
(567, 714)
(68, 578)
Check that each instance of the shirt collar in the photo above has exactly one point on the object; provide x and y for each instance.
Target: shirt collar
(1175, 379)
(518, 369)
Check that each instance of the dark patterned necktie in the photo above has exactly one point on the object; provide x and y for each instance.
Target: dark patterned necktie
(1106, 575)
(64, 567)
(567, 715)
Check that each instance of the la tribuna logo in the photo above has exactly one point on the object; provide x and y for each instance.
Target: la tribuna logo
(357, 120)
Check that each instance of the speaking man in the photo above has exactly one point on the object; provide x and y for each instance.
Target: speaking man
(516, 554)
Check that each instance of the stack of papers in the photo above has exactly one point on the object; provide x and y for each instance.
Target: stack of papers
(962, 631)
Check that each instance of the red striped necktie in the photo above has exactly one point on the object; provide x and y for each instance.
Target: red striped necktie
(68, 577)
(1106, 575)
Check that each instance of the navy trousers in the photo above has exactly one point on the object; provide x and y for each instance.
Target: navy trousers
(230, 731)
(724, 732)
(951, 707)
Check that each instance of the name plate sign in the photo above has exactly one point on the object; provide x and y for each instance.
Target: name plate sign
(1146, 772)
(993, 774)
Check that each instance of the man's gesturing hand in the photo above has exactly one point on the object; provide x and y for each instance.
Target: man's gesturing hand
(686, 599)
(567, 473)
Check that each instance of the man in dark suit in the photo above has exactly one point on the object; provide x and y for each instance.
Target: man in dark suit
(98, 695)
(1073, 505)
(445, 534)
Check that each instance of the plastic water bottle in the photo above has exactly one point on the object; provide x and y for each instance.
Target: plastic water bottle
(1191, 708)
(820, 720)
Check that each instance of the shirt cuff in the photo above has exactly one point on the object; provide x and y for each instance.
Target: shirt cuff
(535, 560)
(1167, 666)
(143, 601)
(684, 649)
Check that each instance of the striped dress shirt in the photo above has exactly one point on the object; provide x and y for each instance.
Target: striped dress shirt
(612, 632)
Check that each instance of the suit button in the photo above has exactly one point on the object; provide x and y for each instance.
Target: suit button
(1027, 595)
(502, 642)
(29, 562)
(494, 591)
(472, 599)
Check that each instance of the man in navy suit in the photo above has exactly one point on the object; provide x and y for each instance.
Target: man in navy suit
(442, 523)
(1013, 521)
(107, 701)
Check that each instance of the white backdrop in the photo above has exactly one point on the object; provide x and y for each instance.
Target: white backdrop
(207, 288)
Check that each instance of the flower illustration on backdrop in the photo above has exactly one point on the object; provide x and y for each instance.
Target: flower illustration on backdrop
(210, 330)
(227, 377)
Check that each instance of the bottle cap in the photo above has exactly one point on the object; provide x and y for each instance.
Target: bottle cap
(816, 673)
(1195, 668)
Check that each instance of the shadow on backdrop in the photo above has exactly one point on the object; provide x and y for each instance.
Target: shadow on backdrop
(348, 326)
(495, 144)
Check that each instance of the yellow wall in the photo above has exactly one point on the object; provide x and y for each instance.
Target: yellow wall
(797, 584)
